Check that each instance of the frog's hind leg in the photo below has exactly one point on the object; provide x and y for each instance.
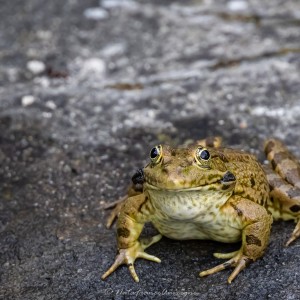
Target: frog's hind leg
(116, 205)
(284, 184)
(284, 201)
(255, 223)
(283, 162)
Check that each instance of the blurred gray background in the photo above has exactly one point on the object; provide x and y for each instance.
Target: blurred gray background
(87, 88)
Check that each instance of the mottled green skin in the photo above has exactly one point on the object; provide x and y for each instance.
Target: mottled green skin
(187, 198)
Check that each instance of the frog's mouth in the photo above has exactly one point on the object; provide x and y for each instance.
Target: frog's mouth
(226, 182)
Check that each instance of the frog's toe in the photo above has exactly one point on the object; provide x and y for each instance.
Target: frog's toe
(129, 255)
(215, 269)
(133, 273)
(147, 242)
(149, 257)
(238, 261)
(122, 258)
(295, 234)
(226, 255)
(125, 256)
(239, 266)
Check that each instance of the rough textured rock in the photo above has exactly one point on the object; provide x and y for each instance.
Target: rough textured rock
(87, 88)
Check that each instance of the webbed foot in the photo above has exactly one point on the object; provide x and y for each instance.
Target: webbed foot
(129, 255)
(238, 260)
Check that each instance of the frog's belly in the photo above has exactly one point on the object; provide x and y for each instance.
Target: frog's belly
(198, 229)
(194, 215)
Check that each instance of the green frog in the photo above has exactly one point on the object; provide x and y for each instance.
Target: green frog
(204, 191)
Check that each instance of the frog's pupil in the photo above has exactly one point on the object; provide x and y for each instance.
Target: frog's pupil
(154, 153)
(204, 155)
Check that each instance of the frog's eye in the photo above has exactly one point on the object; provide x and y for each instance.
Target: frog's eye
(202, 156)
(156, 154)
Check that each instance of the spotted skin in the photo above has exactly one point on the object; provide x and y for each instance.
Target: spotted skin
(206, 192)
(284, 184)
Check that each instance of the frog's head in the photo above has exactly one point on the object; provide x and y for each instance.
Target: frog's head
(190, 168)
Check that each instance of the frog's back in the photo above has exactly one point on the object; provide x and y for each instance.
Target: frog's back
(251, 180)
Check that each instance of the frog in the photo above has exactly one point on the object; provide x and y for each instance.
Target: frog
(208, 192)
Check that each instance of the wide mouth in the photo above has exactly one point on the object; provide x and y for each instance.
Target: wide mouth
(227, 180)
(173, 189)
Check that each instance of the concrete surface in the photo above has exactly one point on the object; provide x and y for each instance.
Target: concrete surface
(87, 88)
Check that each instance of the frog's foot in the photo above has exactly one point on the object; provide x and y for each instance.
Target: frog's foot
(295, 234)
(129, 255)
(238, 260)
(117, 205)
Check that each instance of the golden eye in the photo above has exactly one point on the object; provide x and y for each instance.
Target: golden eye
(202, 157)
(156, 154)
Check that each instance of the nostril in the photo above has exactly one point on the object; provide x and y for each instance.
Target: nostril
(228, 177)
(138, 177)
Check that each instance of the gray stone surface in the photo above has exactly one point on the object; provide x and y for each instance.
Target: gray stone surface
(87, 88)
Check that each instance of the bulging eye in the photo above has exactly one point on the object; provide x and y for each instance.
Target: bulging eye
(156, 154)
(204, 154)
(202, 157)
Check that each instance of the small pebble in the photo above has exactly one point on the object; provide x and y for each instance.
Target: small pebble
(95, 13)
(50, 104)
(27, 100)
(127, 4)
(237, 5)
(96, 66)
(36, 67)
(113, 50)
(46, 115)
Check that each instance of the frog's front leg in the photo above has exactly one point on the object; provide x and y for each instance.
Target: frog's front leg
(136, 188)
(133, 216)
(255, 224)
